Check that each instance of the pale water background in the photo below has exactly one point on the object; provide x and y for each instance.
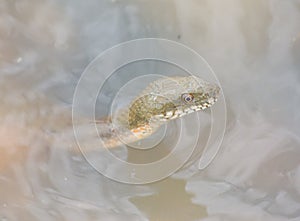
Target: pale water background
(254, 48)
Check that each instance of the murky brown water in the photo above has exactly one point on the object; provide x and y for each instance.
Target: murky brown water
(170, 202)
(254, 48)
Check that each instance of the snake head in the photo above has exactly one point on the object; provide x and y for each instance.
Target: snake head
(191, 94)
(197, 94)
(171, 98)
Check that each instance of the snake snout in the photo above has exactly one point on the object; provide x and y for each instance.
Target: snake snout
(213, 91)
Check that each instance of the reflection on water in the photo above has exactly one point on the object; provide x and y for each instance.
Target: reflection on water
(252, 45)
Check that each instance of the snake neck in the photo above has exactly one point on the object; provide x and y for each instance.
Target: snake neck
(149, 112)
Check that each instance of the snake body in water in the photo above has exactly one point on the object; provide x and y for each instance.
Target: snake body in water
(161, 101)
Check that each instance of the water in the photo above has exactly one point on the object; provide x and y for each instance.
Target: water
(254, 48)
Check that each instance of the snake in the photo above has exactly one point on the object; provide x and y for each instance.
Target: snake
(163, 100)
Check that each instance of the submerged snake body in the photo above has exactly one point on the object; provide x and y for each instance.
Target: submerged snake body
(163, 100)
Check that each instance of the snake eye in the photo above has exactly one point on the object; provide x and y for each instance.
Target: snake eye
(187, 98)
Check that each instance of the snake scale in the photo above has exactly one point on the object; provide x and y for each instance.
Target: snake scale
(162, 100)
